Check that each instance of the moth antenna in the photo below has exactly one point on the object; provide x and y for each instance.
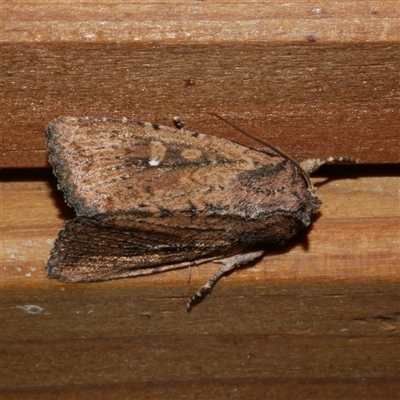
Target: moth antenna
(284, 155)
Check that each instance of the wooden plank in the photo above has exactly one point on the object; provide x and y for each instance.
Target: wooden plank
(357, 209)
(318, 318)
(314, 80)
(223, 20)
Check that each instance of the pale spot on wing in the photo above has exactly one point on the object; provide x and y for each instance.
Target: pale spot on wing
(157, 153)
(249, 162)
(191, 154)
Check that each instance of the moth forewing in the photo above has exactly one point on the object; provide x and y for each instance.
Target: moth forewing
(104, 161)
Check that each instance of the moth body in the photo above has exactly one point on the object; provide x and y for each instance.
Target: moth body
(150, 198)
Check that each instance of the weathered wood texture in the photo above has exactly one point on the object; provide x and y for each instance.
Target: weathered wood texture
(313, 79)
(319, 318)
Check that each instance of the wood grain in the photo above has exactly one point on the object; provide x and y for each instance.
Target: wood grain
(315, 80)
(318, 318)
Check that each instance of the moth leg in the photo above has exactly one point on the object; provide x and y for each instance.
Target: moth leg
(230, 263)
(311, 165)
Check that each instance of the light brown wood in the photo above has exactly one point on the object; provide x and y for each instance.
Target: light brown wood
(318, 318)
(314, 79)
(180, 21)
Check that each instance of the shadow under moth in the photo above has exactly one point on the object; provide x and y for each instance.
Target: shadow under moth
(150, 198)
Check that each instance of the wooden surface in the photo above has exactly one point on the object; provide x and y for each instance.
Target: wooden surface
(318, 318)
(314, 79)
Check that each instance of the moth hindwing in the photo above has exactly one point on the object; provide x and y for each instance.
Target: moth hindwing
(150, 198)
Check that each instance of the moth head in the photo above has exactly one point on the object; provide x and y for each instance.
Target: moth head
(312, 207)
(315, 202)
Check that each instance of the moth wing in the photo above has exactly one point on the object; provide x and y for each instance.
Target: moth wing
(108, 165)
(110, 247)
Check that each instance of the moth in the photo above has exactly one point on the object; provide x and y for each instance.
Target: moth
(150, 198)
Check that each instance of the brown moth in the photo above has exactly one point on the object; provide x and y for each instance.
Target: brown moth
(150, 198)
